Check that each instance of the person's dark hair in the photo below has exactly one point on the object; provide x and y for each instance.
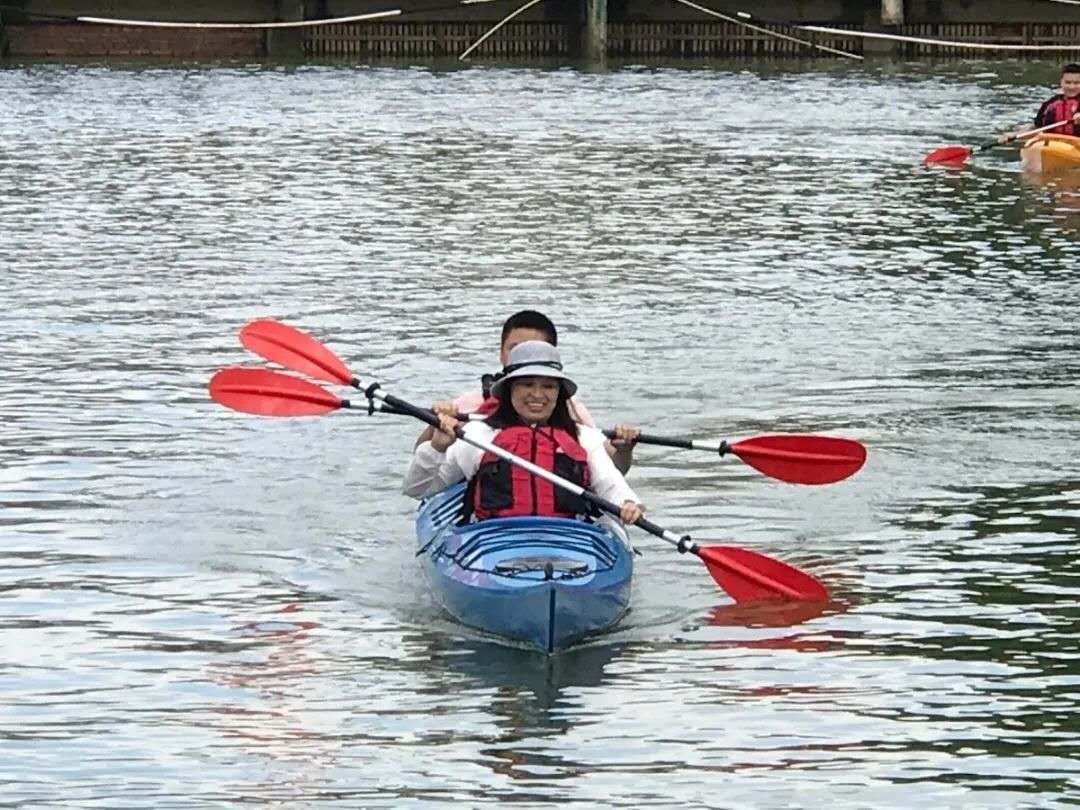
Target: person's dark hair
(1070, 68)
(505, 416)
(530, 319)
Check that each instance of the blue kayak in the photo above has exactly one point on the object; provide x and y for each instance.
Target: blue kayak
(542, 582)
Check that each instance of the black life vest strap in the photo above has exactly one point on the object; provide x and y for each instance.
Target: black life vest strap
(467, 504)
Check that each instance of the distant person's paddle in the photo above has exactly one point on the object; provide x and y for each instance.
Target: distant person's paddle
(956, 155)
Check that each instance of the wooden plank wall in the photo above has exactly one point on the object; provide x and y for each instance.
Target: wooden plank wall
(402, 39)
(998, 33)
(542, 39)
(667, 39)
(522, 40)
(715, 39)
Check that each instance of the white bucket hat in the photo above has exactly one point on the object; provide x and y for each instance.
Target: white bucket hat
(533, 358)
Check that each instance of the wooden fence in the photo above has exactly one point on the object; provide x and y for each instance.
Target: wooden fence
(403, 39)
(713, 39)
(717, 39)
(537, 39)
(997, 33)
(545, 39)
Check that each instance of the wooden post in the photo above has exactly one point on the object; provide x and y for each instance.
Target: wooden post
(892, 12)
(286, 43)
(884, 19)
(595, 30)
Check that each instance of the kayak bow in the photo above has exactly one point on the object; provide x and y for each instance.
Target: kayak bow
(546, 583)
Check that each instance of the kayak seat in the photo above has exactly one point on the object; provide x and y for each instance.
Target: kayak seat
(560, 567)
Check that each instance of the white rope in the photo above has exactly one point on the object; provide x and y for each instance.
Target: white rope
(497, 26)
(297, 24)
(945, 43)
(726, 18)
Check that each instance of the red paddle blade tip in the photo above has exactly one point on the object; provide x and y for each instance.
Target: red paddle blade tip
(291, 348)
(749, 576)
(952, 155)
(800, 459)
(268, 393)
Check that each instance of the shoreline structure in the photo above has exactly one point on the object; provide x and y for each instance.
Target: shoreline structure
(523, 30)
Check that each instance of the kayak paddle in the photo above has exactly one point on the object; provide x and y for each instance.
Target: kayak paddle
(746, 575)
(797, 459)
(263, 392)
(959, 154)
(291, 348)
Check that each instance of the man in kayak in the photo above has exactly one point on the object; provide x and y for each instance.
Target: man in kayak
(532, 421)
(1063, 107)
(528, 324)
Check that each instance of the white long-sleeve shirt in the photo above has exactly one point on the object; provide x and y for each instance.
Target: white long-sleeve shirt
(431, 471)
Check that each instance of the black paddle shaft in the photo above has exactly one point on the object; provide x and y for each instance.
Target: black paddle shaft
(664, 441)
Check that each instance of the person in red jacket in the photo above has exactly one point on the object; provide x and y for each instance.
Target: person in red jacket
(1063, 107)
(533, 422)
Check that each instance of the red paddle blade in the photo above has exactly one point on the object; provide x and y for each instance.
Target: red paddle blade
(800, 459)
(948, 154)
(748, 576)
(268, 393)
(294, 349)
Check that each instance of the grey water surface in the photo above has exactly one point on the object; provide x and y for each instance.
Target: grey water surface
(205, 609)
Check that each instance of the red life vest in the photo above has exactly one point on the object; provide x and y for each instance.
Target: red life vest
(1061, 109)
(488, 406)
(502, 489)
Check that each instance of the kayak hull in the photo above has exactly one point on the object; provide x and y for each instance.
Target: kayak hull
(1050, 154)
(545, 583)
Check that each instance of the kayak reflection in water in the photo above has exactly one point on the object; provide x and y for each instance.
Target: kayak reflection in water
(532, 421)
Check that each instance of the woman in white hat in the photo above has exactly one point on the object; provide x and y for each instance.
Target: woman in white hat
(532, 421)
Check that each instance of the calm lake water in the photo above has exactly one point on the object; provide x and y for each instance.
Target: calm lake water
(204, 609)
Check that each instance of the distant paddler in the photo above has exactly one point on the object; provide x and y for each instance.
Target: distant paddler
(1059, 115)
(1062, 109)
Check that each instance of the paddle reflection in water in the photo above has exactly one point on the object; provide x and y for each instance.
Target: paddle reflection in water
(771, 614)
(751, 626)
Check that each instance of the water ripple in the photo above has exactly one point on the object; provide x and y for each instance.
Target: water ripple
(200, 608)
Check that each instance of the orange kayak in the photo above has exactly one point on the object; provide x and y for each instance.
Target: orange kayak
(1050, 154)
